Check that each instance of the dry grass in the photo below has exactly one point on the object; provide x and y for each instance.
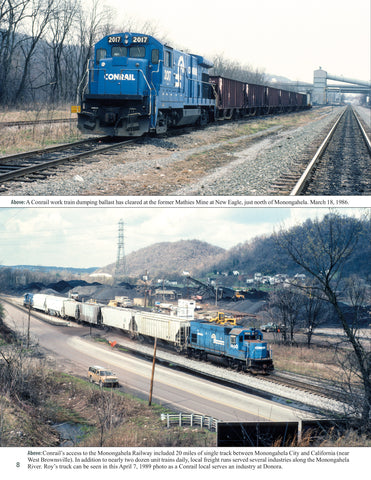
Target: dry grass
(20, 139)
(38, 113)
(316, 361)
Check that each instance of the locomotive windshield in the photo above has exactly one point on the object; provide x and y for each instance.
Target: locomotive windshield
(119, 51)
(137, 52)
(101, 53)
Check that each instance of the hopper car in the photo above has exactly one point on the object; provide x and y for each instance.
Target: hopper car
(137, 85)
(239, 347)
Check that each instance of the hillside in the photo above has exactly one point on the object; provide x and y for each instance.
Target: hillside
(261, 254)
(264, 255)
(169, 258)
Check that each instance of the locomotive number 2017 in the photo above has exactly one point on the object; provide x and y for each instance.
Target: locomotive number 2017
(114, 39)
(140, 39)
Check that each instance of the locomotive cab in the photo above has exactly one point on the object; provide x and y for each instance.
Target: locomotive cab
(119, 98)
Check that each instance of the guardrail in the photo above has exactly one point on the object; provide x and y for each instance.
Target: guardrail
(190, 419)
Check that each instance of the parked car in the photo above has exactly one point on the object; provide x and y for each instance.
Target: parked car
(103, 377)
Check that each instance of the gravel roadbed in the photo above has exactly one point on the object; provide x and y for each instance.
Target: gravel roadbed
(230, 159)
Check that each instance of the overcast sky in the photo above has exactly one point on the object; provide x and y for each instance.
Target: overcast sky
(87, 237)
(290, 38)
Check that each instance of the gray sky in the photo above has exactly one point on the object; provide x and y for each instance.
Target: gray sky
(86, 237)
(288, 37)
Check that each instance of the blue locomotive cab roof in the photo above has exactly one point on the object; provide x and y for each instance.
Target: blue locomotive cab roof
(203, 62)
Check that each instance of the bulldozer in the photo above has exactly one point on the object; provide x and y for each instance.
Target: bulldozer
(238, 296)
(221, 319)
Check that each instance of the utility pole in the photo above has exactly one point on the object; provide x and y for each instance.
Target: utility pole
(153, 372)
(28, 326)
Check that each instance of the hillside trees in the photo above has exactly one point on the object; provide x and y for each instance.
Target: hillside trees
(233, 69)
(324, 254)
(45, 46)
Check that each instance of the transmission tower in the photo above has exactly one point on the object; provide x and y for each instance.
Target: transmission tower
(120, 261)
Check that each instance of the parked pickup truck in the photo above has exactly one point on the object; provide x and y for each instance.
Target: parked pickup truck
(102, 377)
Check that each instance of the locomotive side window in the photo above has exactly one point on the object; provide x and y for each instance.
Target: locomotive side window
(168, 59)
(137, 52)
(119, 51)
(155, 56)
(193, 337)
(101, 53)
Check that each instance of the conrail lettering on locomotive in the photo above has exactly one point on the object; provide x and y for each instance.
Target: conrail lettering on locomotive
(120, 76)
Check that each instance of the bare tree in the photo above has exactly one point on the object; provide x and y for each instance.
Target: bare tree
(232, 69)
(38, 20)
(313, 311)
(12, 15)
(323, 253)
(286, 302)
(109, 412)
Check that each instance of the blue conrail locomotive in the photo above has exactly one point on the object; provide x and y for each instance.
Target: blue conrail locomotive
(137, 84)
(241, 348)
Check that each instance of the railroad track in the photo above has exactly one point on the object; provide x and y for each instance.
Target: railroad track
(27, 123)
(32, 166)
(341, 164)
(307, 384)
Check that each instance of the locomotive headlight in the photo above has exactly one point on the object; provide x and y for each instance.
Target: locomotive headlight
(103, 64)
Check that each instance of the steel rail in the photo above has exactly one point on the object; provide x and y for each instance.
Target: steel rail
(55, 148)
(51, 163)
(303, 179)
(363, 131)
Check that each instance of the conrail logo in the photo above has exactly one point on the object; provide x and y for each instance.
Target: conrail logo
(216, 341)
(120, 76)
